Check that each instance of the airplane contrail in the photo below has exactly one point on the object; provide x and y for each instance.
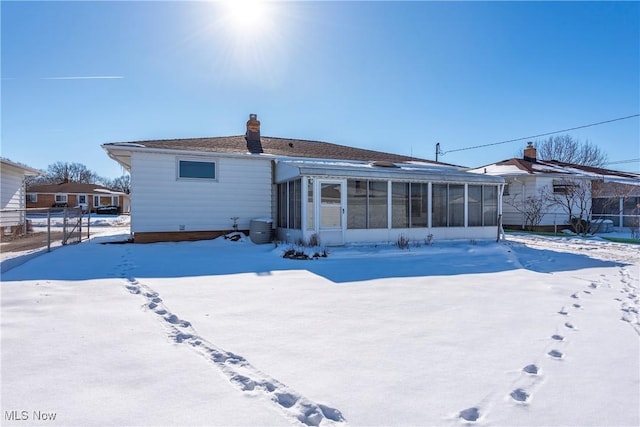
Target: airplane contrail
(83, 78)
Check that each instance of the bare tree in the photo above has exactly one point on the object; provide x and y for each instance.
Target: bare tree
(532, 208)
(564, 148)
(574, 198)
(66, 172)
(72, 172)
(122, 183)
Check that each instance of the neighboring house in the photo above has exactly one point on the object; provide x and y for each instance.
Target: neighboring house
(12, 195)
(610, 193)
(73, 194)
(189, 189)
(617, 202)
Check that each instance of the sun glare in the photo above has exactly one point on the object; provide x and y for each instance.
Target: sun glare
(247, 16)
(252, 36)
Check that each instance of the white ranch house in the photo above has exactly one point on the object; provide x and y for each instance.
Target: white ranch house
(613, 194)
(189, 189)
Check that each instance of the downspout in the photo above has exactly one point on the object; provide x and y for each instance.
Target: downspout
(524, 225)
(621, 213)
(501, 234)
(22, 212)
(466, 205)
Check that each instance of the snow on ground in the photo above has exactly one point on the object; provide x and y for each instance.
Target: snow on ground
(533, 331)
(57, 220)
(96, 225)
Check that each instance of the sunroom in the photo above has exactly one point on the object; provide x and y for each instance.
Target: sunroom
(356, 202)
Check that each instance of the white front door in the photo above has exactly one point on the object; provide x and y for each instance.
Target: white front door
(331, 200)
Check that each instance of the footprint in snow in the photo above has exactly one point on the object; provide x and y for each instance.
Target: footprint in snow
(531, 369)
(226, 357)
(557, 337)
(245, 383)
(626, 318)
(577, 305)
(286, 399)
(575, 296)
(563, 311)
(175, 320)
(519, 395)
(569, 325)
(296, 406)
(331, 413)
(180, 337)
(587, 292)
(470, 414)
(556, 354)
(593, 285)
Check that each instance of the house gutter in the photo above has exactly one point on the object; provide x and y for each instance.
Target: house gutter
(126, 149)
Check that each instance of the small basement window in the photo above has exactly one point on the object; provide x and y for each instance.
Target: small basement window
(191, 169)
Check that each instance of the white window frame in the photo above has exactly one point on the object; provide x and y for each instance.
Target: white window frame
(115, 200)
(216, 170)
(61, 196)
(32, 197)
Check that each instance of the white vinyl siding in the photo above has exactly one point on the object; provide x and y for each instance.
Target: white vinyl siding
(12, 196)
(530, 187)
(160, 202)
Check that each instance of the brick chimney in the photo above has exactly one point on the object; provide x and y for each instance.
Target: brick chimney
(530, 153)
(254, 145)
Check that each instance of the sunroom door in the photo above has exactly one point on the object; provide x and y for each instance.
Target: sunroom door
(332, 212)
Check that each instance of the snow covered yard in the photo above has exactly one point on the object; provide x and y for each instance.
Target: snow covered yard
(534, 331)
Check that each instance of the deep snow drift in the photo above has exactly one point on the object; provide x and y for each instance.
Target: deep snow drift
(533, 331)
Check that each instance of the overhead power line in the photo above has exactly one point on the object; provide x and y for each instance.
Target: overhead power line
(540, 135)
(619, 162)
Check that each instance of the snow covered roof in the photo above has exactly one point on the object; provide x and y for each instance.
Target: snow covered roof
(515, 167)
(26, 170)
(290, 168)
(72, 188)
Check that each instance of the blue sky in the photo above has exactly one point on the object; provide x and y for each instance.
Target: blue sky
(389, 76)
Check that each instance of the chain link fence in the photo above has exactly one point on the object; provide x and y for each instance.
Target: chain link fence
(29, 229)
(597, 223)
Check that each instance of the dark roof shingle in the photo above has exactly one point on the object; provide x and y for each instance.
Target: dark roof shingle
(68, 187)
(277, 147)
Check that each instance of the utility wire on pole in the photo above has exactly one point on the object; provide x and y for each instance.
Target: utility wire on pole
(619, 162)
(535, 136)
